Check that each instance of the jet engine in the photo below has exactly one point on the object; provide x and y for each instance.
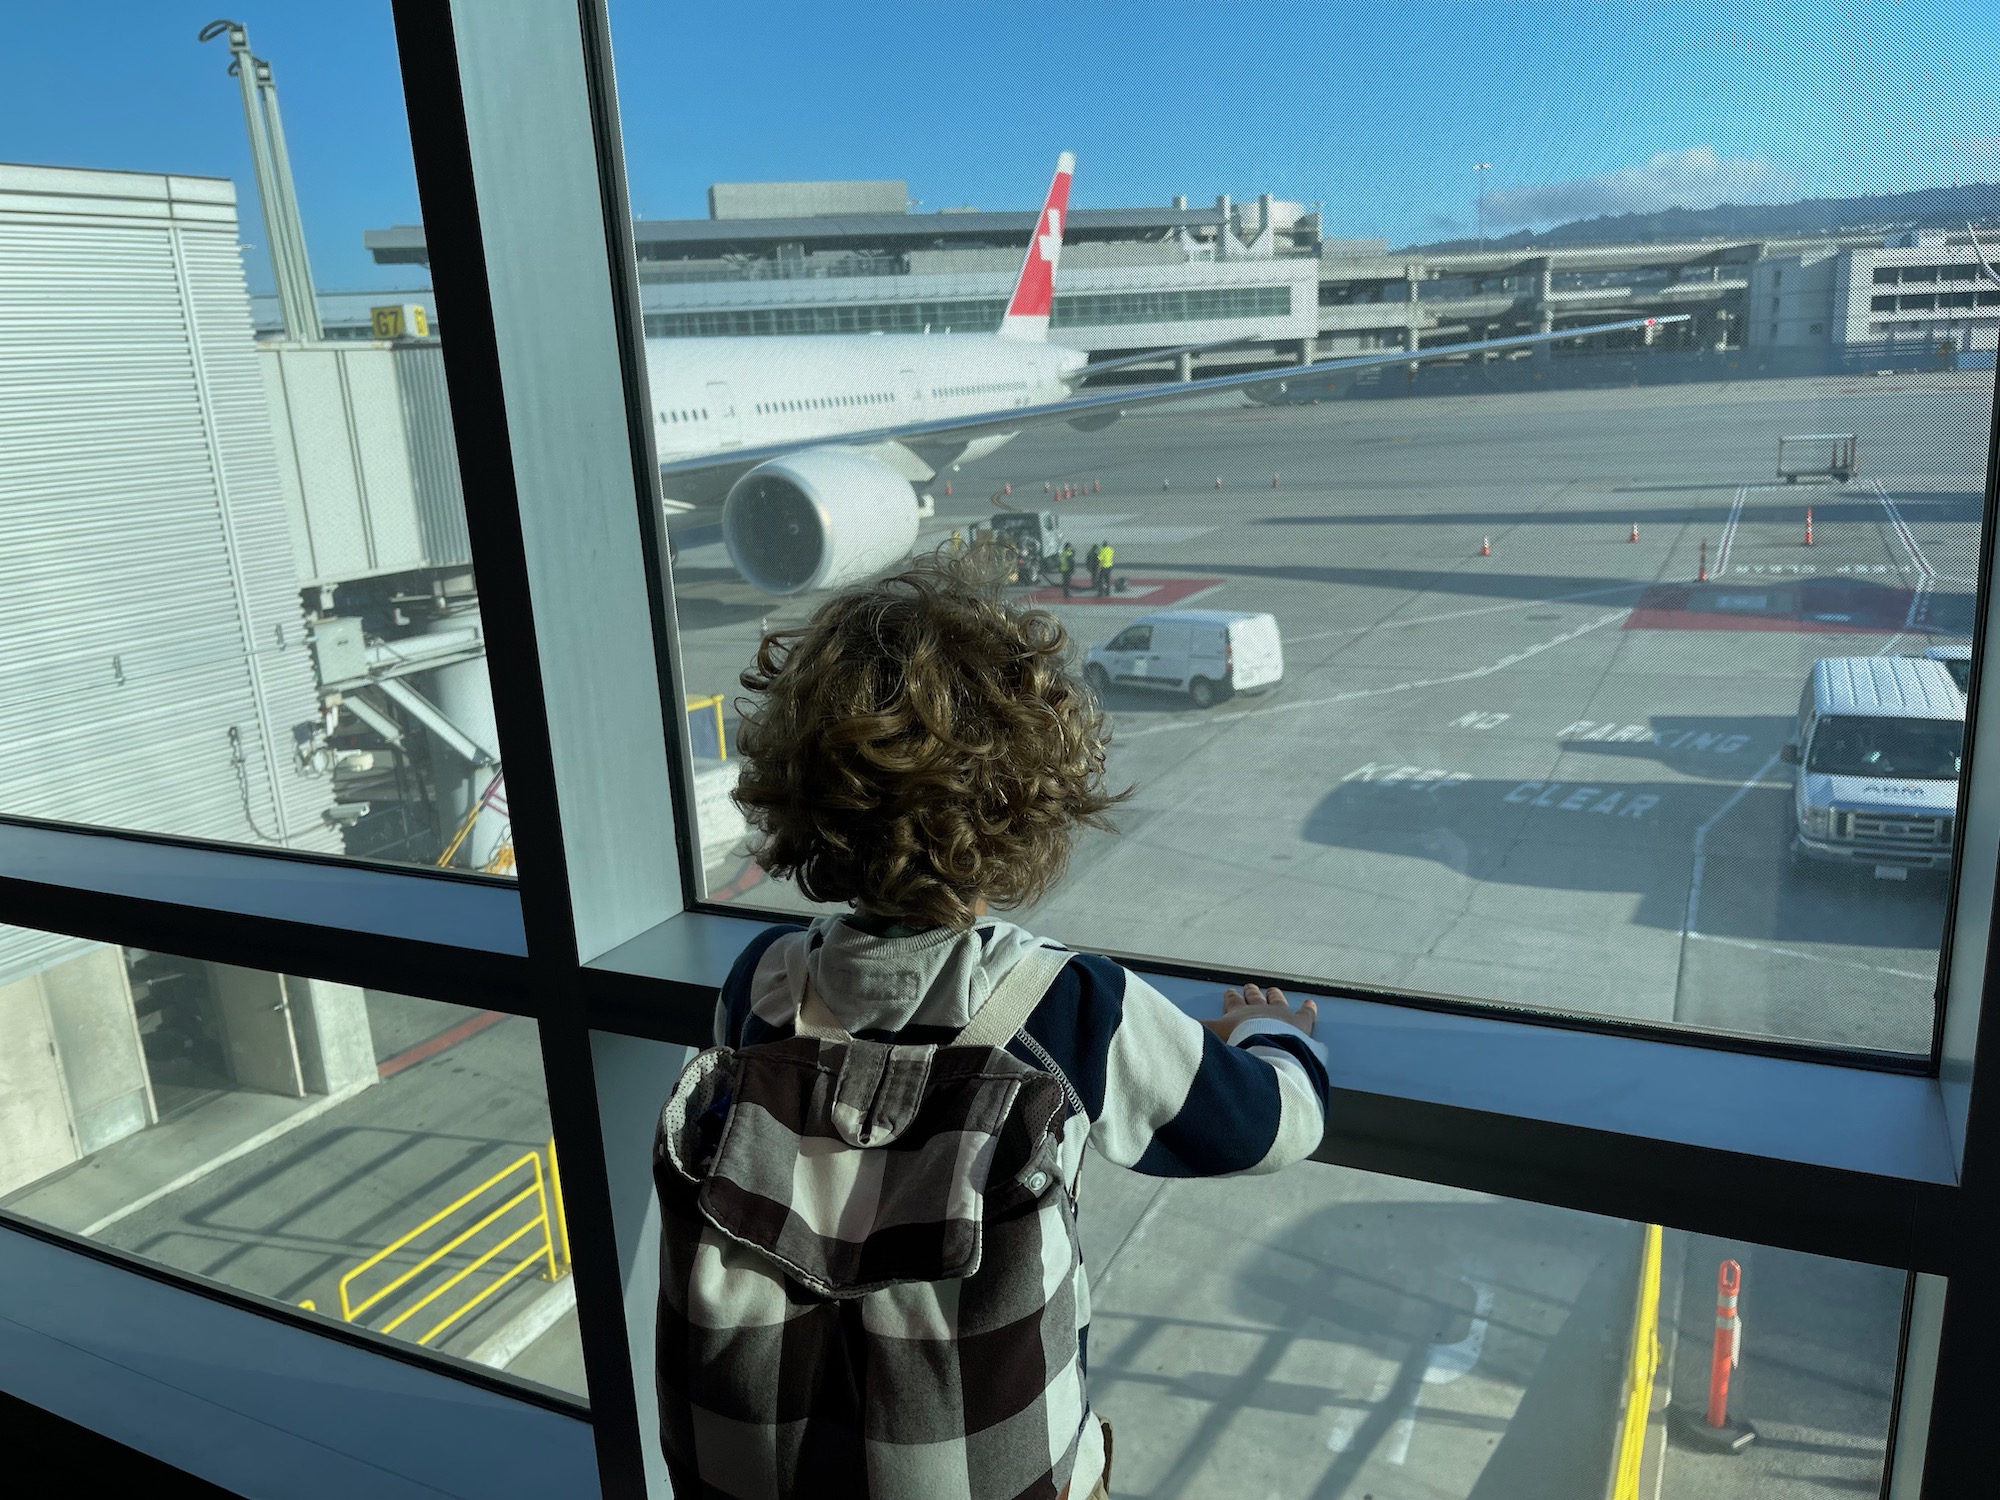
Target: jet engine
(817, 520)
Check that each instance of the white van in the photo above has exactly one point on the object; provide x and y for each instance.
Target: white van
(1957, 661)
(1877, 745)
(1206, 653)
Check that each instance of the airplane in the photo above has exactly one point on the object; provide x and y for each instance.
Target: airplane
(818, 446)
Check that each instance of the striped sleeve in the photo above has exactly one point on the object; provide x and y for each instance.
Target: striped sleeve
(1165, 1096)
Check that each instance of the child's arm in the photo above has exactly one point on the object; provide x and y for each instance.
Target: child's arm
(1166, 1094)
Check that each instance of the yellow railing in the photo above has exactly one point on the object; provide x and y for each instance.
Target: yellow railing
(1642, 1363)
(545, 1231)
(714, 701)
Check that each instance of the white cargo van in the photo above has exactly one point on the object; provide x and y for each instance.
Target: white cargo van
(1957, 661)
(1205, 653)
(1877, 745)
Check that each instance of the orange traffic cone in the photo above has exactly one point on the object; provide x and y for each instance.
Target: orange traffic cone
(947, 486)
(1808, 525)
(1635, 533)
(1486, 546)
(1702, 576)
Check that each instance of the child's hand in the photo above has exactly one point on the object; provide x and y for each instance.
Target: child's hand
(1251, 1003)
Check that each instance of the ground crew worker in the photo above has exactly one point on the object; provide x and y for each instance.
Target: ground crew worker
(1104, 569)
(957, 542)
(1067, 562)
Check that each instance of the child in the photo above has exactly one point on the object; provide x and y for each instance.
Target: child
(919, 751)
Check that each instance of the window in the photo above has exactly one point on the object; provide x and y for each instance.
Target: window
(378, 1161)
(1483, 677)
(1505, 738)
(253, 616)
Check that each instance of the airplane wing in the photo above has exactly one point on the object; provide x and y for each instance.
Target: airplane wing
(713, 473)
(1154, 356)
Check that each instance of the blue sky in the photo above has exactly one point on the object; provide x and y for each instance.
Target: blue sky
(1377, 112)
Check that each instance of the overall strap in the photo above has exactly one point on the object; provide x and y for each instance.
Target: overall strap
(1014, 999)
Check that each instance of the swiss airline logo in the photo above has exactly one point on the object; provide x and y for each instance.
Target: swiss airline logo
(1034, 293)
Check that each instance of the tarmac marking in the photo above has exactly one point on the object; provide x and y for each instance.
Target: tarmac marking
(1593, 798)
(1926, 575)
(1479, 719)
(1512, 659)
(1414, 778)
(1819, 958)
(1588, 731)
(1729, 529)
(1462, 614)
(1701, 843)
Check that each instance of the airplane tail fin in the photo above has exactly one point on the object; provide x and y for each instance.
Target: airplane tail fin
(1027, 316)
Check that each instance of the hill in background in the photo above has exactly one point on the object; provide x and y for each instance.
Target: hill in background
(1928, 208)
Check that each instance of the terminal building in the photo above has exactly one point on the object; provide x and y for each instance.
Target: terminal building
(801, 258)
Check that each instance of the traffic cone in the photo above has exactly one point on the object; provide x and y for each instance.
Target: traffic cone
(1274, 481)
(1096, 487)
(947, 487)
(1702, 576)
(1486, 546)
(1808, 525)
(1635, 533)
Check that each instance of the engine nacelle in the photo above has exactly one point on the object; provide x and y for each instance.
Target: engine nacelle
(817, 520)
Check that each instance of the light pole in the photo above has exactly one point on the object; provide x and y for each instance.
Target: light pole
(1479, 194)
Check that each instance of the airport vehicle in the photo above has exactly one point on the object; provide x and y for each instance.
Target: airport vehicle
(1815, 455)
(1877, 745)
(1206, 653)
(818, 448)
(1037, 541)
(1957, 661)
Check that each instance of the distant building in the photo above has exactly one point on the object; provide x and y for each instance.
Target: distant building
(1918, 288)
(849, 257)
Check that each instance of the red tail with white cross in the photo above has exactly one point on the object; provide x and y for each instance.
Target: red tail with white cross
(1034, 292)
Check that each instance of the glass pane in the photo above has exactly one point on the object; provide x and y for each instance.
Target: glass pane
(370, 1158)
(1327, 1332)
(1548, 614)
(237, 600)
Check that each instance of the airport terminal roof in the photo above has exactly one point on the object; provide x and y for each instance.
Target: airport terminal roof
(669, 239)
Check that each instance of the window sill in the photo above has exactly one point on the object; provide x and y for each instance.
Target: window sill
(1845, 1160)
(449, 934)
(261, 1406)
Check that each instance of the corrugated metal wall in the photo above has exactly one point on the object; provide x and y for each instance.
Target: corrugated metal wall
(148, 591)
(433, 453)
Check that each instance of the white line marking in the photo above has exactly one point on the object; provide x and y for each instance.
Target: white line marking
(1818, 958)
(1461, 614)
(1203, 721)
(1443, 1363)
(1729, 531)
(1902, 529)
(1701, 843)
(1926, 575)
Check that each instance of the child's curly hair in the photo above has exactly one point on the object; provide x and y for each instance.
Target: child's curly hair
(920, 744)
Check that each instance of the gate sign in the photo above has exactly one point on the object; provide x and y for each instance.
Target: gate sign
(408, 320)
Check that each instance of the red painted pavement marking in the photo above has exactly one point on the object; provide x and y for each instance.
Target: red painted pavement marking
(423, 1051)
(1154, 593)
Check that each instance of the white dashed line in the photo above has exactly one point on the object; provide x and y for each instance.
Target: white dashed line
(1205, 721)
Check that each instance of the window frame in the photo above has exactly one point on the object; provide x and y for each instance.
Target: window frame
(605, 942)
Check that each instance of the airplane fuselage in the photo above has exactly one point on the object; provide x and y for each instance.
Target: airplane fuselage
(712, 395)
